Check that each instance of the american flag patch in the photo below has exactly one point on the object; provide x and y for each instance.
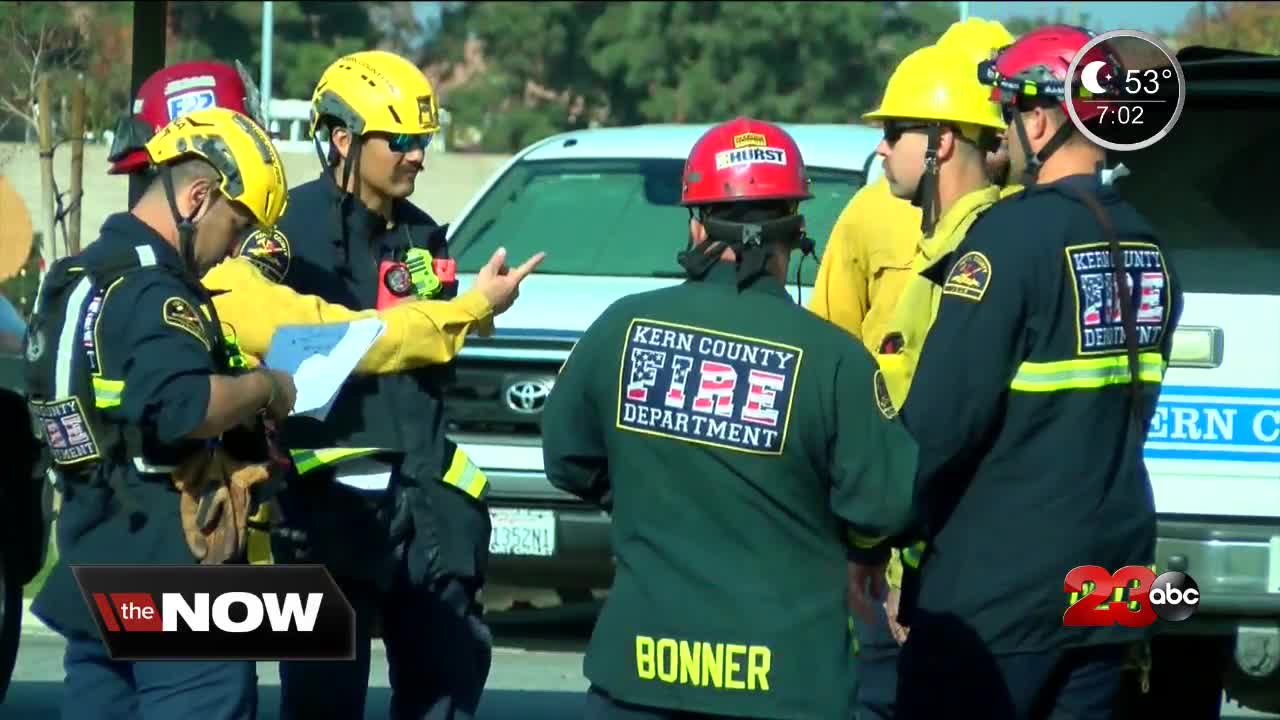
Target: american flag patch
(706, 387)
(1099, 318)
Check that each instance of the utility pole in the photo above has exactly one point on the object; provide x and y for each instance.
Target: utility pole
(264, 82)
(150, 34)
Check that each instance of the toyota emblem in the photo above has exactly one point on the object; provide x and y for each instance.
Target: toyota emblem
(528, 396)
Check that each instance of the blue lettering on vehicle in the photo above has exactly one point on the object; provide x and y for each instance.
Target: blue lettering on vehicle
(1216, 423)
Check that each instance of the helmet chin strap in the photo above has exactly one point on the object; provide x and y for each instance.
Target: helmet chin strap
(352, 160)
(186, 225)
(927, 196)
(1034, 161)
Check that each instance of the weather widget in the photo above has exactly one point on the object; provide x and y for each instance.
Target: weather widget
(1125, 90)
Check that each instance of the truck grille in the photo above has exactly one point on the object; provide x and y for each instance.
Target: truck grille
(502, 383)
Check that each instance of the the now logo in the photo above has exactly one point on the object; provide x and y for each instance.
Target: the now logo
(224, 612)
(137, 612)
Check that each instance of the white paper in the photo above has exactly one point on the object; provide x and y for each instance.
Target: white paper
(363, 474)
(320, 358)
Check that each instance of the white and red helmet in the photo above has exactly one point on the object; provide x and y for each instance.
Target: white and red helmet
(171, 93)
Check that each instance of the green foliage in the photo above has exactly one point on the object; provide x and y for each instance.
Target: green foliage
(560, 65)
(307, 37)
(63, 40)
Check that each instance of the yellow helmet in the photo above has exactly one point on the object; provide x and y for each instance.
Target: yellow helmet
(376, 91)
(976, 38)
(249, 166)
(939, 84)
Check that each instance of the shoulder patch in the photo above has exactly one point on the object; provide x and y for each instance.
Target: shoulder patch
(269, 252)
(968, 277)
(179, 313)
(883, 401)
(706, 387)
(1099, 324)
(66, 430)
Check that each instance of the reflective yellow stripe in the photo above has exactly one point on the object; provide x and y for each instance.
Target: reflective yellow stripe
(106, 393)
(258, 539)
(235, 357)
(893, 571)
(911, 555)
(853, 638)
(464, 475)
(308, 460)
(1085, 373)
(862, 542)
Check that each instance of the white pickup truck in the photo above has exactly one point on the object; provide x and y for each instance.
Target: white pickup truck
(603, 204)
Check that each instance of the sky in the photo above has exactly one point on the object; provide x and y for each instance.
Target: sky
(1149, 16)
(1103, 16)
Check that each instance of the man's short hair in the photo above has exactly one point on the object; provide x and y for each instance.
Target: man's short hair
(183, 172)
(1061, 117)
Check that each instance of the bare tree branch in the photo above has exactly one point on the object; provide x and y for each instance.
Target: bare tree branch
(17, 112)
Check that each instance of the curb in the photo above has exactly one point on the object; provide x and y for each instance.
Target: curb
(32, 625)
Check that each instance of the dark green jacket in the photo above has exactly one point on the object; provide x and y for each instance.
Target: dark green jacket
(737, 440)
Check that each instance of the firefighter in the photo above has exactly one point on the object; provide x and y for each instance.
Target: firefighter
(251, 304)
(123, 408)
(385, 500)
(1031, 403)
(941, 151)
(674, 413)
(867, 260)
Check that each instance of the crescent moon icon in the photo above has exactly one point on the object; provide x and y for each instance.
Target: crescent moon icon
(1089, 77)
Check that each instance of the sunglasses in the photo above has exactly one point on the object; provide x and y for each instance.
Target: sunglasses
(405, 142)
(893, 131)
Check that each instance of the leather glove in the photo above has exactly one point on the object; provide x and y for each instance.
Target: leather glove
(216, 499)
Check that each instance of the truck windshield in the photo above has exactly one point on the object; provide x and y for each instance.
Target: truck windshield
(611, 217)
(1206, 187)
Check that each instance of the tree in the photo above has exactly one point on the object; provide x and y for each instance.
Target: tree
(63, 40)
(1249, 26)
(39, 40)
(519, 72)
(307, 36)
(516, 72)
(791, 62)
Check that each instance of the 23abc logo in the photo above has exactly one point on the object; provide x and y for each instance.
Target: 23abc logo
(1133, 596)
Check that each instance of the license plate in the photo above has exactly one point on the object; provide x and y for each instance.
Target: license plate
(522, 532)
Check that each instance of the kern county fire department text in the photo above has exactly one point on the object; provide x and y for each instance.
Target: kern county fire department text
(707, 387)
(1098, 293)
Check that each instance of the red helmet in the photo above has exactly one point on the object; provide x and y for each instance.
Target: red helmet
(1036, 65)
(744, 160)
(171, 93)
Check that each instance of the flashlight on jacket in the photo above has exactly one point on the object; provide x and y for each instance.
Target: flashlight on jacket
(422, 274)
(394, 283)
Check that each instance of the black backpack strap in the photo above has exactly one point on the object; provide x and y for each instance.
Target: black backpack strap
(62, 399)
